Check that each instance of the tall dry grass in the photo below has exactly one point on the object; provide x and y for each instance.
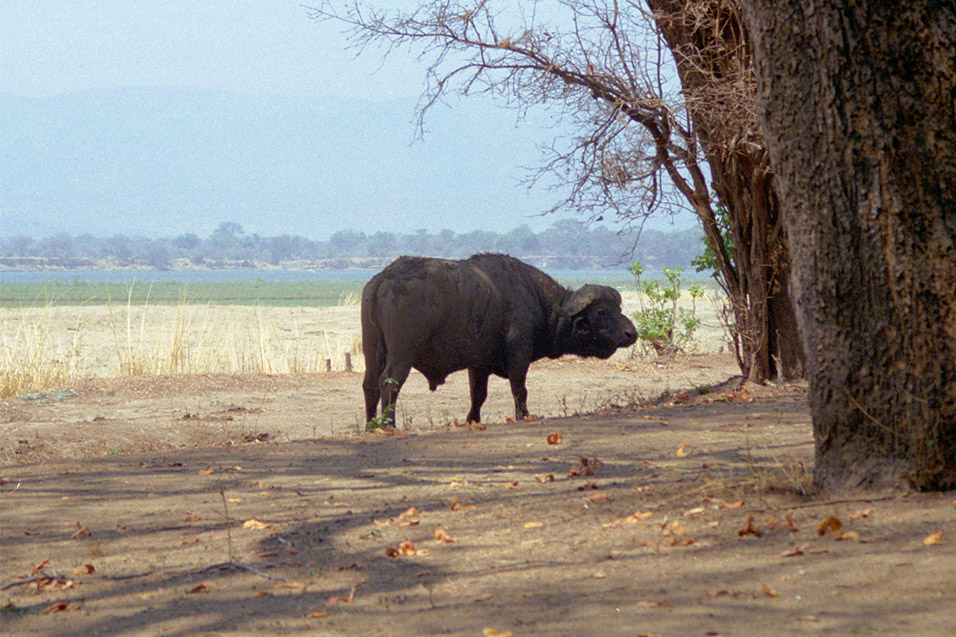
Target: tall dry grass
(51, 346)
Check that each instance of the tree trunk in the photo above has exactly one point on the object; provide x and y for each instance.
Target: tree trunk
(712, 53)
(856, 100)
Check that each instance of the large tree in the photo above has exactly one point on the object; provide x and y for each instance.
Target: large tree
(857, 100)
(641, 142)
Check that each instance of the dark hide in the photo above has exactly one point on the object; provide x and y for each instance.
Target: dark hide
(489, 314)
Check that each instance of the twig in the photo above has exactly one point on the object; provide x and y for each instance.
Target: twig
(243, 567)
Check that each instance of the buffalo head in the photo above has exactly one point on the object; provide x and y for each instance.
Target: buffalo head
(591, 323)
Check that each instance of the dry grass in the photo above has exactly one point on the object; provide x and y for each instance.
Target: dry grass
(50, 346)
(55, 345)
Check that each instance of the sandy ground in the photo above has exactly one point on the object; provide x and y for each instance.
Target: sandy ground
(236, 504)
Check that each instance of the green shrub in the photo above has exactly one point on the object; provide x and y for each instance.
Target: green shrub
(660, 322)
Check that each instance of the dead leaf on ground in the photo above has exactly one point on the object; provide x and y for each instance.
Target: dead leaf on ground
(318, 614)
(39, 567)
(458, 506)
(441, 535)
(491, 632)
(512, 485)
(554, 438)
(731, 505)
(407, 548)
(596, 496)
(933, 538)
(685, 450)
(796, 551)
(830, 526)
(769, 592)
(585, 467)
(674, 528)
(750, 529)
(203, 588)
(343, 600)
(208, 471)
(255, 524)
(533, 525)
(59, 607)
(545, 478)
(633, 518)
(865, 513)
(85, 569)
(81, 531)
(54, 584)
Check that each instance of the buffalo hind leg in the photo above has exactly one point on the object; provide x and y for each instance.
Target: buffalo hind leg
(478, 384)
(390, 383)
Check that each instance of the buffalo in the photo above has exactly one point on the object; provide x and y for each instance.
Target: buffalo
(489, 314)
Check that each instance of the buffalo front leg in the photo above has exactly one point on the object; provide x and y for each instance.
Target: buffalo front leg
(478, 384)
(519, 392)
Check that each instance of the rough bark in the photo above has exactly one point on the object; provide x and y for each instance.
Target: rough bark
(712, 52)
(857, 100)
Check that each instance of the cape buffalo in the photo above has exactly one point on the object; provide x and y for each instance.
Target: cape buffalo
(489, 314)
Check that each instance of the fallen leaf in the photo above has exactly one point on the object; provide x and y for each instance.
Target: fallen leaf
(850, 535)
(796, 551)
(769, 592)
(477, 426)
(343, 600)
(830, 525)
(596, 496)
(407, 548)
(543, 479)
(235, 500)
(491, 632)
(85, 569)
(684, 452)
(633, 518)
(203, 588)
(458, 506)
(392, 551)
(39, 567)
(58, 607)
(81, 531)
(933, 538)
(718, 592)
(585, 468)
(533, 525)
(674, 528)
(865, 513)
(263, 593)
(318, 614)
(751, 528)
(192, 517)
(554, 438)
(442, 536)
(255, 524)
(731, 505)
(208, 471)
(512, 485)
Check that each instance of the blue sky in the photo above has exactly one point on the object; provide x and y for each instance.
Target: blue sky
(51, 48)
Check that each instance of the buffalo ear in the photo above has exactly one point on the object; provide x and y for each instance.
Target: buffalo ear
(579, 324)
(588, 294)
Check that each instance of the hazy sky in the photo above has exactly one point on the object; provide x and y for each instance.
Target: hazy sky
(50, 48)
(250, 47)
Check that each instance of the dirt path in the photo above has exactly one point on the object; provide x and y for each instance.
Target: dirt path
(135, 507)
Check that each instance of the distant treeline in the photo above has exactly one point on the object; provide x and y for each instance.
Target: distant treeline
(565, 244)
